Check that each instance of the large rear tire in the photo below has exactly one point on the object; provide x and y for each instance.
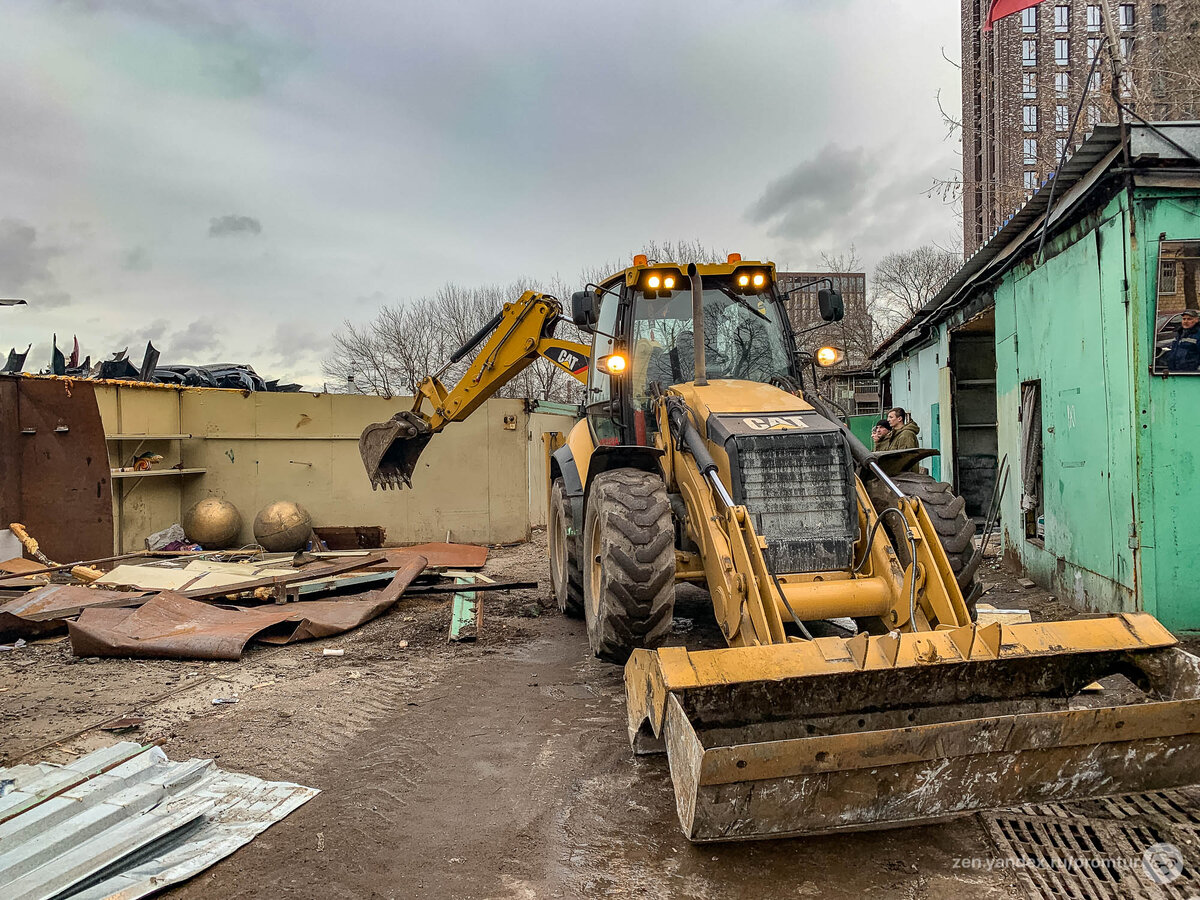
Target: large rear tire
(563, 545)
(948, 512)
(629, 563)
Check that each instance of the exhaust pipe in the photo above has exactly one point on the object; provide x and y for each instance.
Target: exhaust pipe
(701, 370)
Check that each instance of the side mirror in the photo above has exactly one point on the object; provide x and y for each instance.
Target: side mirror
(584, 312)
(830, 304)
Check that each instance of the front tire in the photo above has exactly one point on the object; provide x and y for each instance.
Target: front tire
(954, 527)
(629, 563)
(562, 544)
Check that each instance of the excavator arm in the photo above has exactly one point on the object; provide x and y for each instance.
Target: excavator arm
(521, 332)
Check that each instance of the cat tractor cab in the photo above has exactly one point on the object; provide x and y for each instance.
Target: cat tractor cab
(704, 456)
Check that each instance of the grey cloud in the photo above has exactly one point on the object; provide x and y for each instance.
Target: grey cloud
(25, 266)
(818, 186)
(135, 260)
(239, 57)
(234, 224)
(179, 345)
(294, 339)
(839, 197)
(194, 339)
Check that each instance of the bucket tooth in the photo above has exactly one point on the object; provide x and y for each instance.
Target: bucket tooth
(988, 640)
(805, 739)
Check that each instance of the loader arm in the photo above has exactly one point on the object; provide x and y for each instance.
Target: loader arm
(521, 332)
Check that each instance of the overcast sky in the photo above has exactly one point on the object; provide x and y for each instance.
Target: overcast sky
(235, 179)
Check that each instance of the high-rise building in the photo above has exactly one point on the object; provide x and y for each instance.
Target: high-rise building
(1023, 83)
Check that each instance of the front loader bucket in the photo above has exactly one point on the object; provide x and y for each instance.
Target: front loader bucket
(390, 449)
(834, 735)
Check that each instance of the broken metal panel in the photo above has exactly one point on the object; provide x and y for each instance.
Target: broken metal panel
(172, 626)
(139, 822)
(457, 556)
(44, 610)
(54, 474)
(466, 610)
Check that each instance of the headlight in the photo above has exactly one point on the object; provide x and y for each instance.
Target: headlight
(614, 363)
(828, 356)
(759, 279)
(669, 283)
(653, 282)
(743, 280)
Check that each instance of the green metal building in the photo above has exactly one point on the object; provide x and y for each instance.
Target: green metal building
(1059, 362)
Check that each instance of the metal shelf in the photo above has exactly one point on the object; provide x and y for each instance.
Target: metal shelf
(148, 472)
(147, 437)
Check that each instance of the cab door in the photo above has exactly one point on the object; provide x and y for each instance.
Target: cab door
(603, 403)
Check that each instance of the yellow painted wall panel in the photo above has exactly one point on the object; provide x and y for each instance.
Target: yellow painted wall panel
(473, 480)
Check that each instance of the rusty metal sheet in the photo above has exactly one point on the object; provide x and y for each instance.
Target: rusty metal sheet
(45, 610)
(54, 475)
(21, 566)
(455, 556)
(172, 626)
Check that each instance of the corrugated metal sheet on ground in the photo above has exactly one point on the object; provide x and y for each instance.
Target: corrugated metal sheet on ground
(126, 821)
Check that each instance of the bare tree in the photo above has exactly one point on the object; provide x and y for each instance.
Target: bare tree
(906, 281)
(407, 341)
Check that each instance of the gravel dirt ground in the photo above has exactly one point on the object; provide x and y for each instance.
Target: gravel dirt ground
(494, 769)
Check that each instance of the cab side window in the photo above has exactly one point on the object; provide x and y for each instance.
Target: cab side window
(603, 410)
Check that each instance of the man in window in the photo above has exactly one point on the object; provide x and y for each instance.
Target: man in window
(1184, 354)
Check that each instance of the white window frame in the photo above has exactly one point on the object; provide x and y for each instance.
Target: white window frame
(1031, 183)
(1029, 149)
(1060, 148)
(1029, 85)
(1126, 16)
(1093, 17)
(1062, 18)
(1028, 52)
(1094, 45)
(1062, 51)
(1127, 47)
(1062, 117)
(1062, 84)
(1093, 115)
(1029, 117)
(1029, 20)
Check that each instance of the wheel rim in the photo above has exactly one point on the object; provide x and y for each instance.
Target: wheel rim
(594, 569)
(558, 548)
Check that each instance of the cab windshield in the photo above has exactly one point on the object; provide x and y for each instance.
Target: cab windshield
(743, 338)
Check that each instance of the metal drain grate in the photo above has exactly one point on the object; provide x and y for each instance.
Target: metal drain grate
(1096, 849)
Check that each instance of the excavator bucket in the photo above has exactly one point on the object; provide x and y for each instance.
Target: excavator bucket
(833, 735)
(390, 449)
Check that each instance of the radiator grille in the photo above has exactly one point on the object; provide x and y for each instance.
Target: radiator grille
(799, 490)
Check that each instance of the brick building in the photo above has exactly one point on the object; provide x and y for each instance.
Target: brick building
(854, 333)
(1023, 82)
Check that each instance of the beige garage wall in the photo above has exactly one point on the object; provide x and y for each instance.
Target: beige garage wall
(473, 480)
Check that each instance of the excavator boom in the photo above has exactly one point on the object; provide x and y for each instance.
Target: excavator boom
(520, 333)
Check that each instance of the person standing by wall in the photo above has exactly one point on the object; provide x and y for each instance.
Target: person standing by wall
(881, 434)
(904, 432)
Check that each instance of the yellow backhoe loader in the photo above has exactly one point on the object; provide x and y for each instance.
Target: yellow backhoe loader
(705, 456)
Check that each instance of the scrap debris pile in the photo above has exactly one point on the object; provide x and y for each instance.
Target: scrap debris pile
(197, 604)
(120, 368)
(125, 821)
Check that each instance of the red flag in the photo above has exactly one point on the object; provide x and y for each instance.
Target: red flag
(1002, 8)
